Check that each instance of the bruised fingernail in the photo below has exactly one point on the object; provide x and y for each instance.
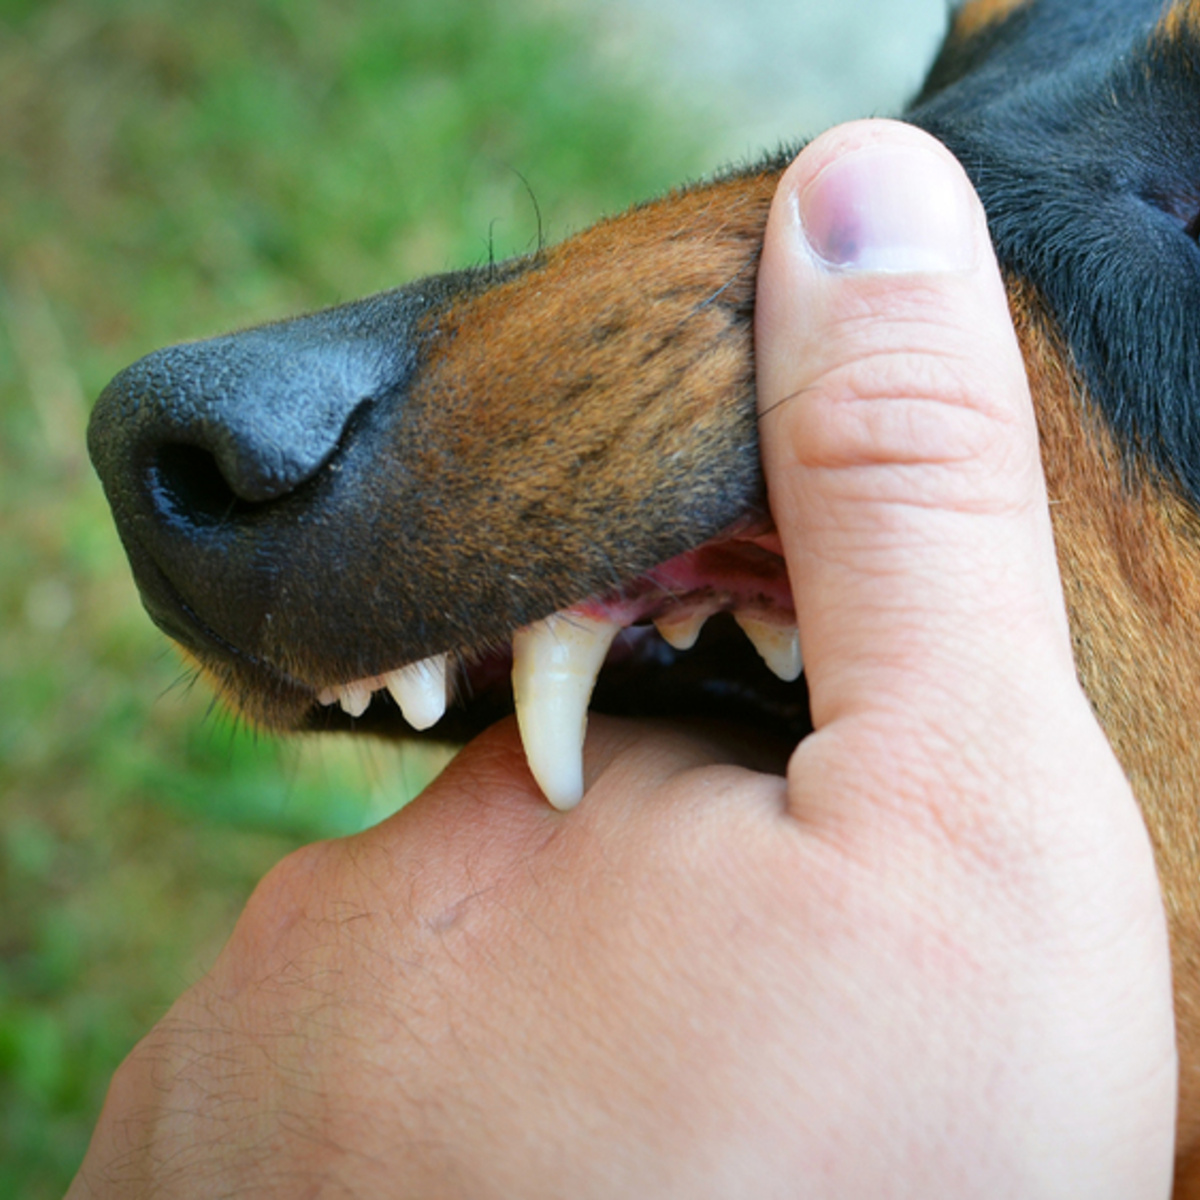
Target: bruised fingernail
(883, 208)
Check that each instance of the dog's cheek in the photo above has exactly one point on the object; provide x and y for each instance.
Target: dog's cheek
(591, 418)
(1129, 551)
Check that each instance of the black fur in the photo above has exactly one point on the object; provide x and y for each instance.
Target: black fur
(1080, 128)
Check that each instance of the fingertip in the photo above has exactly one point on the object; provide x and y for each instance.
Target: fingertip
(878, 280)
(898, 434)
(868, 134)
(875, 221)
(872, 198)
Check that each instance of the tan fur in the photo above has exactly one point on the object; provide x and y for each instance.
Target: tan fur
(574, 424)
(979, 14)
(633, 382)
(1130, 557)
(1182, 19)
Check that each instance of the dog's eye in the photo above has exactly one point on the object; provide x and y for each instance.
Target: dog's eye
(1181, 205)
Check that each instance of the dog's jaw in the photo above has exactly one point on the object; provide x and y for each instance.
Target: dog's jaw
(472, 455)
(556, 661)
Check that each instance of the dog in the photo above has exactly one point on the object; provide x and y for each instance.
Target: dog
(375, 517)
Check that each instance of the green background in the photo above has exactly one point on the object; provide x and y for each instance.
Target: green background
(169, 171)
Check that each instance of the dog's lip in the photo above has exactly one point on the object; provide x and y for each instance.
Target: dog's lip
(741, 570)
(716, 670)
(606, 649)
(722, 677)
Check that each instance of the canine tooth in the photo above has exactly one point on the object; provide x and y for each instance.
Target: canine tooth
(681, 632)
(778, 645)
(555, 664)
(420, 690)
(355, 698)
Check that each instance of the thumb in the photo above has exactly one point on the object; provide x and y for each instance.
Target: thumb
(898, 435)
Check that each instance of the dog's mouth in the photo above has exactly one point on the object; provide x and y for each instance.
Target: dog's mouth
(711, 632)
(418, 513)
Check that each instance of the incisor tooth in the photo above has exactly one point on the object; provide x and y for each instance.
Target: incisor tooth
(420, 691)
(555, 664)
(681, 632)
(778, 645)
(355, 698)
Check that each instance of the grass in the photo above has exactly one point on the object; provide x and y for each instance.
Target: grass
(169, 171)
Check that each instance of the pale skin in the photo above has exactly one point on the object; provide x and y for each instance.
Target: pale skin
(930, 960)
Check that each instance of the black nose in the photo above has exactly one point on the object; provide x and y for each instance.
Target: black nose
(249, 417)
(201, 446)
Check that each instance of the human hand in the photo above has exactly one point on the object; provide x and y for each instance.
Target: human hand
(931, 961)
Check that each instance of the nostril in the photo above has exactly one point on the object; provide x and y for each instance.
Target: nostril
(187, 486)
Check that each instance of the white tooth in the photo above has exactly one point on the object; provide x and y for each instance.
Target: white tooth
(779, 645)
(555, 664)
(355, 698)
(682, 632)
(420, 690)
(327, 696)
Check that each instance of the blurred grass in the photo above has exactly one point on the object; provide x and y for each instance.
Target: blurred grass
(168, 171)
